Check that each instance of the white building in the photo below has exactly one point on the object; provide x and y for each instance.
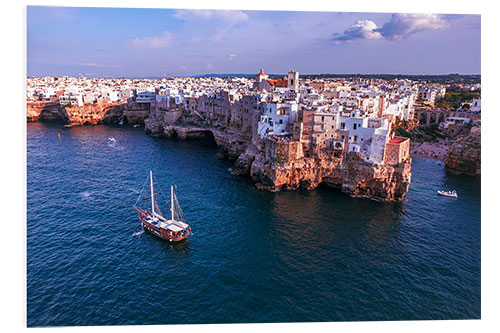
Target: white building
(476, 105)
(366, 136)
(427, 94)
(71, 99)
(457, 121)
(275, 117)
(145, 94)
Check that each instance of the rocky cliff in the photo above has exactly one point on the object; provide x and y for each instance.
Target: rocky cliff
(377, 181)
(464, 155)
(104, 112)
(280, 164)
(231, 142)
(349, 173)
(273, 164)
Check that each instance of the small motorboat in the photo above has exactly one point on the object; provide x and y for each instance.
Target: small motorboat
(452, 194)
(112, 139)
(120, 123)
(67, 126)
(137, 125)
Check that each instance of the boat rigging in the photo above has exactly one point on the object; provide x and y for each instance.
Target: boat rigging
(174, 229)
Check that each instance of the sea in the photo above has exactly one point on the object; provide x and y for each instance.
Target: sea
(254, 256)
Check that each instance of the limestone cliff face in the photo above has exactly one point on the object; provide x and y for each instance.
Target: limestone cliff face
(45, 111)
(283, 165)
(377, 181)
(230, 141)
(87, 114)
(464, 155)
(350, 173)
(275, 164)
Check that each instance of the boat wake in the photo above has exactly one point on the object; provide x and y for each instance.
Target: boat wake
(137, 233)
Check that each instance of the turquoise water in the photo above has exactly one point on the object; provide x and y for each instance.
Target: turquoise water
(255, 256)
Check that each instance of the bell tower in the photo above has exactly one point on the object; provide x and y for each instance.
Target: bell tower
(293, 80)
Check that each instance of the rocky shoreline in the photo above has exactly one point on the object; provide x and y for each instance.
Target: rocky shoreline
(273, 165)
(277, 165)
(88, 114)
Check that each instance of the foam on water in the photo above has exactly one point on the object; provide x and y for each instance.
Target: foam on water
(85, 194)
(137, 233)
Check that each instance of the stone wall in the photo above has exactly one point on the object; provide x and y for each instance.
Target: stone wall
(287, 151)
(397, 150)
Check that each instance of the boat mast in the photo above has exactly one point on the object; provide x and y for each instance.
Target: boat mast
(172, 201)
(152, 192)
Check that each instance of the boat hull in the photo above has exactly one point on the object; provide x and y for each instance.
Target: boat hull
(161, 233)
(447, 194)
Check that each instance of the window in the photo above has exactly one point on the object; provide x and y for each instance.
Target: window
(322, 118)
(342, 125)
(355, 138)
(354, 126)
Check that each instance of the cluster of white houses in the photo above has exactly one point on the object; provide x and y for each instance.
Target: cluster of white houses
(345, 114)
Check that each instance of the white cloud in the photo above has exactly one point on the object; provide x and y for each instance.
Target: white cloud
(154, 42)
(397, 28)
(363, 29)
(402, 25)
(230, 16)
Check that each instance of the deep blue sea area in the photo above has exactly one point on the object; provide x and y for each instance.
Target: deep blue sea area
(254, 257)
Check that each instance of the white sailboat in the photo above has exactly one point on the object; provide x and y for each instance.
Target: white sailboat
(174, 229)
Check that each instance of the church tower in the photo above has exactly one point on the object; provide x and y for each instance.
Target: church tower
(261, 76)
(293, 80)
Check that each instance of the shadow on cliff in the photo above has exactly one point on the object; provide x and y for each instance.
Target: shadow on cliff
(129, 112)
(113, 115)
(54, 113)
(204, 138)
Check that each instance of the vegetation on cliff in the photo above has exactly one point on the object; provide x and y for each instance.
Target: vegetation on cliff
(454, 99)
(410, 129)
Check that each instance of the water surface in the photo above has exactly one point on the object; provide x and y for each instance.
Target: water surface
(255, 256)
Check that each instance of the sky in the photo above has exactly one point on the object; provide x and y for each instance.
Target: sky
(128, 42)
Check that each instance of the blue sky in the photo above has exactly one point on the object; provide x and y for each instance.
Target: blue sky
(129, 42)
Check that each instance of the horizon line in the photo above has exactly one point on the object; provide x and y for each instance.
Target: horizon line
(251, 74)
